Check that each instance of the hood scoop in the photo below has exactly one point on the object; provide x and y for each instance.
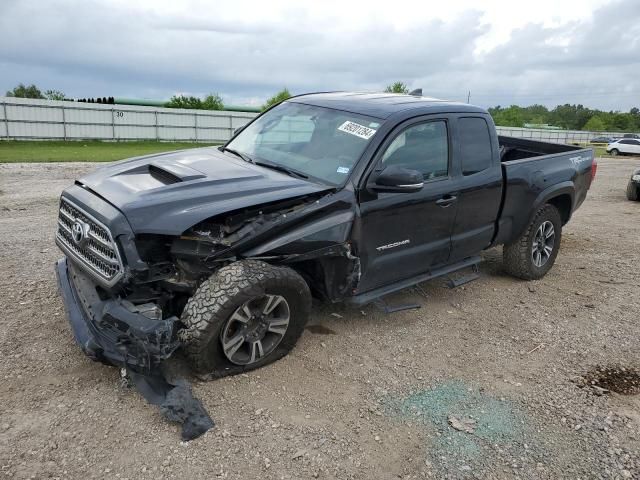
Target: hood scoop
(171, 172)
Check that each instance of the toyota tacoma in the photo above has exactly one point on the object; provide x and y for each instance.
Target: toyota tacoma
(345, 197)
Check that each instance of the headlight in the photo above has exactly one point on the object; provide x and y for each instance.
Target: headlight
(636, 178)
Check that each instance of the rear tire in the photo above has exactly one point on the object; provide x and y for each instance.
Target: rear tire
(614, 152)
(532, 255)
(633, 191)
(229, 327)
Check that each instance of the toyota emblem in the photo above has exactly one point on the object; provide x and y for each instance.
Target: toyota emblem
(79, 232)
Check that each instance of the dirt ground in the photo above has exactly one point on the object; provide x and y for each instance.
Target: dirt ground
(367, 396)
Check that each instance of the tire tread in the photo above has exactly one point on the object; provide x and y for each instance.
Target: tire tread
(517, 256)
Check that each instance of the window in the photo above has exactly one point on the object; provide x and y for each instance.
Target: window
(288, 129)
(626, 142)
(322, 143)
(475, 145)
(423, 147)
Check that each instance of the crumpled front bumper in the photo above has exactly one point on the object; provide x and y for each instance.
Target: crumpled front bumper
(111, 331)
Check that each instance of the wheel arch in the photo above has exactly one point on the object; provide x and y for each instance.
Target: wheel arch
(561, 196)
(563, 203)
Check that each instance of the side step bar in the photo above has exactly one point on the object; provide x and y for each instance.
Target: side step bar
(372, 295)
(464, 279)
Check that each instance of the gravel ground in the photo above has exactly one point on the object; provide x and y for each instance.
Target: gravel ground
(366, 395)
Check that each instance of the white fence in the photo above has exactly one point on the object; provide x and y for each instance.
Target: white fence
(22, 118)
(554, 136)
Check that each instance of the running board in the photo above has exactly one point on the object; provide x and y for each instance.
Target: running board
(464, 279)
(386, 308)
(368, 297)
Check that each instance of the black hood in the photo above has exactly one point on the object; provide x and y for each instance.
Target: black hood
(170, 192)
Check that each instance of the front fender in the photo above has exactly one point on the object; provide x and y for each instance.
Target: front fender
(330, 230)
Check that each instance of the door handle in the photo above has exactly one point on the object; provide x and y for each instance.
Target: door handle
(447, 200)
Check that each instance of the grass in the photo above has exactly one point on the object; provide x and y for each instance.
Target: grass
(12, 151)
(83, 151)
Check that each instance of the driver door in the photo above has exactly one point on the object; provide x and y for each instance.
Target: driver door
(405, 234)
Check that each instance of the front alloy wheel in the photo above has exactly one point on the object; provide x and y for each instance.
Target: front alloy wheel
(246, 315)
(255, 329)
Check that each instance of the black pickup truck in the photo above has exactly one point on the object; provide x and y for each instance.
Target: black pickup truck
(345, 197)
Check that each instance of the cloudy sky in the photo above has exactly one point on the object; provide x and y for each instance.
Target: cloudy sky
(503, 52)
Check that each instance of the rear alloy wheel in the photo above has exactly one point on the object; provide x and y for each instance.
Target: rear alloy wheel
(543, 244)
(246, 315)
(532, 255)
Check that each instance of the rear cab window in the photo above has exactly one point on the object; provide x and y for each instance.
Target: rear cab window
(475, 145)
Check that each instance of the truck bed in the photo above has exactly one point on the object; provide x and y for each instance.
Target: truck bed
(535, 171)
(512, 148)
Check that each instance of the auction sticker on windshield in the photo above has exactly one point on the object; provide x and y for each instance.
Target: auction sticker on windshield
(357, 130)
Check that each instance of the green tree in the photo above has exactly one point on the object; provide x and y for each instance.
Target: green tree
(595, 124)
(572, 117)
(512, 116)
(22, 91)
(183, 101)
(54, 95)
(212, 101)
(397, 87)
(281, 96)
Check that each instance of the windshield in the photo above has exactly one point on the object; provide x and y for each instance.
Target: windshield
(320, 143)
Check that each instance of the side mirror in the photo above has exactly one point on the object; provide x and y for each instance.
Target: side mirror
(398, 179)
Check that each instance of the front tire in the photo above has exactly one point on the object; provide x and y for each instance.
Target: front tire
(633, 191)
(532, 255)
(246, 315)
(614, 152)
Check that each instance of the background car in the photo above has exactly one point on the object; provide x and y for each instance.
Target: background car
(631, 135)
(602, 139)
(633, 187)
(629, 146)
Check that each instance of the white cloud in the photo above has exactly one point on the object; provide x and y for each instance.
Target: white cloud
(503, 52)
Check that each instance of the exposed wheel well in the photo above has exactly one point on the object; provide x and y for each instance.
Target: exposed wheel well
(563, 204)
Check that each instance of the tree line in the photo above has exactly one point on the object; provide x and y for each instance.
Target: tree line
(568, 117)
(213, 101)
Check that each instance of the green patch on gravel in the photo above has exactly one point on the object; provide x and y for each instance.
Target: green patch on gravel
(498, 424)
(83, 151)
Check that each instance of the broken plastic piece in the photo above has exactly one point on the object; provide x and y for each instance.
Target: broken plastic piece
(176, 402)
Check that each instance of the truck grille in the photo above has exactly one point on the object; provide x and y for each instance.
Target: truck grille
(88, 241)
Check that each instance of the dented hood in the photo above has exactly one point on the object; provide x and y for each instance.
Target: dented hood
(170, 192)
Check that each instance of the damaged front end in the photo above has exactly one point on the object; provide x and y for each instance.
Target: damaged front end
(112, 330)
(310, 234)
(117, 315)
(125, 292)
(134, 338)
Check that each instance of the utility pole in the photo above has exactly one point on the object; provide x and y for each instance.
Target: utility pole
(469, 96)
